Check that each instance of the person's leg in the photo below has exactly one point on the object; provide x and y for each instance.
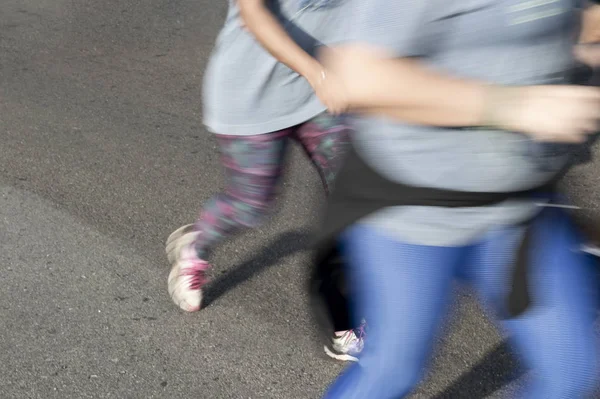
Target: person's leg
(253, 167)
(344, 339)
(403, 292)
(555, 336)
(325, 139)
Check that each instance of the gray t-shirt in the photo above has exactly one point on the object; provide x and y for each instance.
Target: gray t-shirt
(247, 91)
(513, 42)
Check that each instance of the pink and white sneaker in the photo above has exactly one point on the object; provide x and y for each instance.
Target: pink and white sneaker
(188, 272)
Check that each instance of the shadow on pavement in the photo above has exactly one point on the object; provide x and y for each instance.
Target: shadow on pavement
(287, 244)
(495, 370)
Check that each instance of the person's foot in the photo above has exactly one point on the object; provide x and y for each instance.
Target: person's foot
(188, 272)
(347, 345)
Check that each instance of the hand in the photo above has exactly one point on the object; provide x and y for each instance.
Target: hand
(548, 113)
(328, 89)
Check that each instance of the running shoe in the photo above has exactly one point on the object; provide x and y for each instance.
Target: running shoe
(188, 272)
(347, 345)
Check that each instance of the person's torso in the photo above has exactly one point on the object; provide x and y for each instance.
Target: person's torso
(511, 42)
(246, 90)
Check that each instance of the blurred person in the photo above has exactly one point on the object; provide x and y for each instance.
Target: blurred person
(262, 89)
(467, 115)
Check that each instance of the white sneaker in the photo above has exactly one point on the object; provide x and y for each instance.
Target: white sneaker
(188, 272)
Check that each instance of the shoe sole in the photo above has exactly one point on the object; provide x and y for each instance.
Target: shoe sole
(344, 357)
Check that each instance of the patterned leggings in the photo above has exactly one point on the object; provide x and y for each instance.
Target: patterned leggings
(253, 166)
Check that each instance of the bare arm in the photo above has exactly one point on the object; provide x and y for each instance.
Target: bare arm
(271, 35)
(404, 89)
(381, 78)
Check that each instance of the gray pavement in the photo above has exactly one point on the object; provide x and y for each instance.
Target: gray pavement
(102, 155)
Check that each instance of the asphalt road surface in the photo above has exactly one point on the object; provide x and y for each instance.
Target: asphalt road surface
(102, 155)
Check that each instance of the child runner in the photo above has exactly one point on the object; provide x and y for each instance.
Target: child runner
(262, 89)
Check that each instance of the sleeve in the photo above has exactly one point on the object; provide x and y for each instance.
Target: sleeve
(395, 26)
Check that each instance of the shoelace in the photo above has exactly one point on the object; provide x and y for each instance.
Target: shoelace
(356, 336)
(197, 274)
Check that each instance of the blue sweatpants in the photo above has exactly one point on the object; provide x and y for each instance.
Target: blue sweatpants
(404, 292)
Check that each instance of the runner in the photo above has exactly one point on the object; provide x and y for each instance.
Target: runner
(466, 189)
(259, 94)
